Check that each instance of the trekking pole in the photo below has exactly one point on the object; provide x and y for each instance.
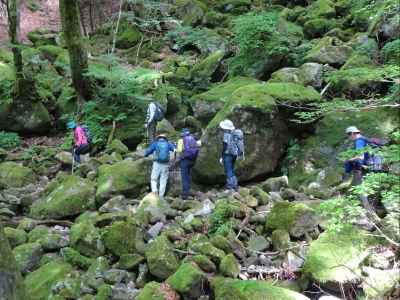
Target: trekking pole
(73, 161)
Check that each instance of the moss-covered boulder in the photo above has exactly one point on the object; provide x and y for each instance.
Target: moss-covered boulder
(295, 217)
(15, 236)
(40, 282)
(233, 289)
(252, 109)
(202, 72)
(319, 154)
(15, 175)
(358, 81)
(117, 146)
(156, 291)
(86, 239)
(28, 256)
(206, 105)
(42, 36)
(336, 257)
(234, 6)
(120, 238)
(12, 286)
(25, 115)
(125, 177)
(128, 38)
(161, 258)
(329, 50)
(229, 266)
(72, 196)
(73, 257)
(190, 11)
(188, 280)
(318, 27)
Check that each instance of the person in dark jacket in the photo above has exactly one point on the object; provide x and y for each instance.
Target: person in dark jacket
(81, 143)
(227, 159)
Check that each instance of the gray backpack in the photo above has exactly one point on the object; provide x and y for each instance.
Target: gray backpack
(235, 145)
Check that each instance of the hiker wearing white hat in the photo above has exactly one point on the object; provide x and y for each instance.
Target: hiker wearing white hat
(232, 147)
(356, 163)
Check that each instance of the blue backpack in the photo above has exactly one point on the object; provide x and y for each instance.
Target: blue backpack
(162, 151)
(375, 162)
(87, 132)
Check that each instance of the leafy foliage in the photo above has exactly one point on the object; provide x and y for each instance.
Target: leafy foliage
(221, 223)
(9, 140)
(391, 51)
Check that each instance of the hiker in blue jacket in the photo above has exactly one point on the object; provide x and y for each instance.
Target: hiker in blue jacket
(356, 163)
(160, 170)
(228, 159)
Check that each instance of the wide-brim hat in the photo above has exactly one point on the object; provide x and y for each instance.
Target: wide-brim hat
(352, 129)
(161, 135)
(226, 125)
(71, 125)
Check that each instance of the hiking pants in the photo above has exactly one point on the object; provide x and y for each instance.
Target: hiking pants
(229, 167)
(82, 149)
(151, 131)
(352, 165)
(159, 171)
(186, 166)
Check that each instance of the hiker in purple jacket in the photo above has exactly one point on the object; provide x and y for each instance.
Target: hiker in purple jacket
(188, 150)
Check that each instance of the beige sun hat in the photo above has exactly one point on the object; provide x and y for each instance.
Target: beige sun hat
(352, 129)
(226, 125)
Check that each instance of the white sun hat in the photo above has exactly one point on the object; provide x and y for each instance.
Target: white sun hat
(352, 129)
(227, 125)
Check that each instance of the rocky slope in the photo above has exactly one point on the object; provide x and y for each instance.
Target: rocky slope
(98, 234)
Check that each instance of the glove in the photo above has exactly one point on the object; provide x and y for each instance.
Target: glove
(221, 161)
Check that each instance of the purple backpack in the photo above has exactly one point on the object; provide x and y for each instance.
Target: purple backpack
(190, 148)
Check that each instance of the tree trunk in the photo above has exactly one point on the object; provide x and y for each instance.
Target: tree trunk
(13, 28)
(78, 56)
(11, 283)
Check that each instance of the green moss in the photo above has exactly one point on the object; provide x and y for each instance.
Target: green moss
(231, 289)
(42, 36)
(229, 266)
(336, 257)
(15, 175)
(284, 215)
(280, 239)
(153, 291)
(104, 292)
(208, 249)
(27, 256)
(73, 257)
(85, 238)
(318, 27)
(186, 278)
(222, 92)
(39, 282)
(6, 56)
(161, 259)
(15, 236)
(204, 263)
(391, 52)
(292, 92)
(119, 238)
(126, 177)
(357, 60)
(329, 50)
(130, 261)
(38, 233)
(117, 146)
(51, 52)
(128, 38)
(74, 195)
(321, 8)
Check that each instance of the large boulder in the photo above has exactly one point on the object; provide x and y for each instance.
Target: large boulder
(28, 256)
(120, 238)
(317, 158)
(337, 257)
(206, 105)
(232, 289)
(252, 108)
(294, 217)
(161, 258)
(72, 196)
(190, 11)
(203, 72)
(125, 177)
(39, 282)
(11, 283)
(156, 291)
(15, 175)
(329, 50)
(86, 239)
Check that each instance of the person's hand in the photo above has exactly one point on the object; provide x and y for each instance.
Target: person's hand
(145, 125)
(221, 161)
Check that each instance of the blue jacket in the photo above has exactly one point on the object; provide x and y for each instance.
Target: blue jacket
(153, 147)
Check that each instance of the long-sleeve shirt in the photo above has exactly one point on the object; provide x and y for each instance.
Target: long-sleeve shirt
(79, 137)
(153, 147)
(151, 112)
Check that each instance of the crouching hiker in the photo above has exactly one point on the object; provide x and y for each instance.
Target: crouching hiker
(232, 148)
(81, 140)
(188, 149)
(162, 148)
